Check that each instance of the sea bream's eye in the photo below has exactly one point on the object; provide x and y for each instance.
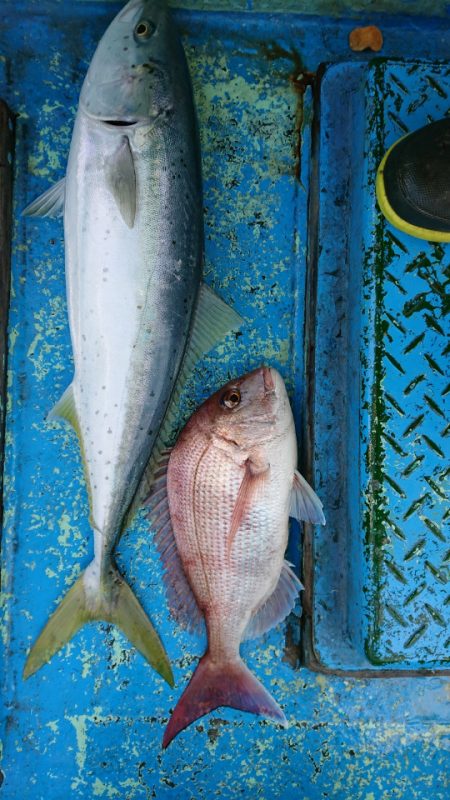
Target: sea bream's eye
(144, 29)
(231, 398)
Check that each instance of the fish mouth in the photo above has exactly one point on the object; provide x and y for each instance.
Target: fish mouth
(120, 123)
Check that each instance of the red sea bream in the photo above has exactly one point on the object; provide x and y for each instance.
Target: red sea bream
(231, 486)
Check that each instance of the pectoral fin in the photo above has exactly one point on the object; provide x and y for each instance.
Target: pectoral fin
(254, 474)
(305, 505)
(49, 204)
(121, 180)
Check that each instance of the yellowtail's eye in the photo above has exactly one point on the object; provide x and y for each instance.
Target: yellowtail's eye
(231, 398)
(144, 29)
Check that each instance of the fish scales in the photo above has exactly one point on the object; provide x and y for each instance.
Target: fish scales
(232, 484)
(229, 587)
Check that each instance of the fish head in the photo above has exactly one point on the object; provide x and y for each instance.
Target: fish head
(250, 409)
(131, 75)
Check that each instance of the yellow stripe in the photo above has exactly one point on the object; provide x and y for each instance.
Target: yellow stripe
(393, 218)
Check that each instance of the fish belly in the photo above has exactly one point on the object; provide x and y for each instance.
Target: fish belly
(131, 292)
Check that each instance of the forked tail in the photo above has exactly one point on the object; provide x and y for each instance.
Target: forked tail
(213, 685)
(110, 600)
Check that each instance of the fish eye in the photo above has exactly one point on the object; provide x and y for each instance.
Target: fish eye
(231, 398)
(144, 29)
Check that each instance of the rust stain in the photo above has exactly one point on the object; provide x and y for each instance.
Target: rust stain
(292, 648)
(300, 78)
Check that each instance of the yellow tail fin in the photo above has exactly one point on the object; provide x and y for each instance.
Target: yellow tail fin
(113, 602)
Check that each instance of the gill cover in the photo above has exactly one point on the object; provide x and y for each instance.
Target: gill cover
(132, 70)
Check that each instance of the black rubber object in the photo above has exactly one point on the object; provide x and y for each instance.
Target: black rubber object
(417, 177)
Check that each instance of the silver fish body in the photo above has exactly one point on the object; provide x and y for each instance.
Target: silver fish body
(133, 230)
(131, 290)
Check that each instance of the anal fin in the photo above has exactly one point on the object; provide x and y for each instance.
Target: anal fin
(276, 608)
(65, 408)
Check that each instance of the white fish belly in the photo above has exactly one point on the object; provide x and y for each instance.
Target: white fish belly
(128, 325)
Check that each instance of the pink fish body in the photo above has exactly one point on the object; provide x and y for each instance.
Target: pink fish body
(231, 486)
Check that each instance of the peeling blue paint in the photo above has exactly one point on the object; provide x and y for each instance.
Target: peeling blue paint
(90, 723)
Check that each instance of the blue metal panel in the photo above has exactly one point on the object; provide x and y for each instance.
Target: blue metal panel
(90, 723)
(410, 411)
(384, 600)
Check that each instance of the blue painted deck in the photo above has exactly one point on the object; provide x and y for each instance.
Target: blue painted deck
(90, 723)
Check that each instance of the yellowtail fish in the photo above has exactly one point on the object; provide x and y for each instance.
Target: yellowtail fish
(139, 315)
(221, 513)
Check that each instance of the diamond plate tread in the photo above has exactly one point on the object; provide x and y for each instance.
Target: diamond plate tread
(407, 284)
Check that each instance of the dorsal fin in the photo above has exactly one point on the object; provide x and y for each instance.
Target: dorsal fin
(180, 597)
(212, 320)
(277, 606)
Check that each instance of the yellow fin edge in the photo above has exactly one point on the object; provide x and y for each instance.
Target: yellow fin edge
(65, 409)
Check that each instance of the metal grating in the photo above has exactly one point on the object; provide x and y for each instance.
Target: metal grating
(381, 569)
(407, 396)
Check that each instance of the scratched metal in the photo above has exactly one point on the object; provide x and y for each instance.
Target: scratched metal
(90, 723)
(390, 587)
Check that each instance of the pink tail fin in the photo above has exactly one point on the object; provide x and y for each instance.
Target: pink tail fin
(213, 685)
